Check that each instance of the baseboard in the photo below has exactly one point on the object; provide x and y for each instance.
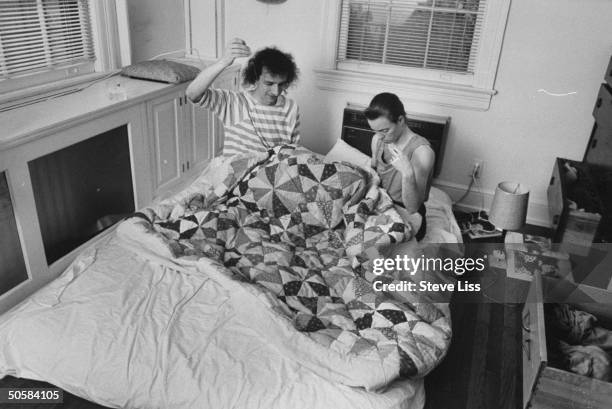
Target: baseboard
(537, 212)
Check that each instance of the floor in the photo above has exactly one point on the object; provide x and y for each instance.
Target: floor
(483, 366)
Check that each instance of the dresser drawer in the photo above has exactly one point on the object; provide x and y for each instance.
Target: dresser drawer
(556, 202)
(578, 214)
(533, 338)
(603, 107)
(548, 387)
(608, 75)
(599, 149)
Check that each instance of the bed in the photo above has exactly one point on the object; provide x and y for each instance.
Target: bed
(183, 306)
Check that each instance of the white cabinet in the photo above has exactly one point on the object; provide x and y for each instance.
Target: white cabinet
(166, 129)
(167, 142)
(170, 133)
(181, 138)
(24, 217)
(184, 137)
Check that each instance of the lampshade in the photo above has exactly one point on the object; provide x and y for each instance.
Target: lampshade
(509, 208)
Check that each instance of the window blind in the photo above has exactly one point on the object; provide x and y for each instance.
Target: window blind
(43, 35)
(430, 34)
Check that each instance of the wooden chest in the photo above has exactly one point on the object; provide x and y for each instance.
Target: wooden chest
(547, 387)
(580, 204)
(580, 193)
(599, 148)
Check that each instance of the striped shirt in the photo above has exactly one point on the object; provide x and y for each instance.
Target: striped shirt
(250, 126)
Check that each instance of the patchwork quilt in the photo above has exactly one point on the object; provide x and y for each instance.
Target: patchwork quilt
(288, 228)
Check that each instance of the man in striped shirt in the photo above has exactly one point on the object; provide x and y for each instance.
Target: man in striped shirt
(259, 117)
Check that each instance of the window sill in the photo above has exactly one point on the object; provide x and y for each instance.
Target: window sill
(432, 92)
(46, 118)
(31, 95)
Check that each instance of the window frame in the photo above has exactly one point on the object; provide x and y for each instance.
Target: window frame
(446, 88)
(110, 32)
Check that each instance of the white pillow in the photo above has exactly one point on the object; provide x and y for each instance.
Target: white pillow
(440, 196)
(343, 152)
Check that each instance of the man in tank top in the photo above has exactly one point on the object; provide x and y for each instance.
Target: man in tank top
(403, 160)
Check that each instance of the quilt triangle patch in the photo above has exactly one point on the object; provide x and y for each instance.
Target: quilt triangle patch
(329, 170)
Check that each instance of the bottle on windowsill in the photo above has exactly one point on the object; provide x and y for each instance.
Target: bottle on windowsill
(115, 89)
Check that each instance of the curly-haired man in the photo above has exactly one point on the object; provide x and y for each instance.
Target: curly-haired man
(258, 117)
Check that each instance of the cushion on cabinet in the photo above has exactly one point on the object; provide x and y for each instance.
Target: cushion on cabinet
(161, 70)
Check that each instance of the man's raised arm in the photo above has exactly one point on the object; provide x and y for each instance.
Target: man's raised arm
(237, 48)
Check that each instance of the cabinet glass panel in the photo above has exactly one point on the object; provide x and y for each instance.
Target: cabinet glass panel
(12, 266)
(81, 190)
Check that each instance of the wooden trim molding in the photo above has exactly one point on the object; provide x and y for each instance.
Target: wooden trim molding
(215, 8)
(436, 93)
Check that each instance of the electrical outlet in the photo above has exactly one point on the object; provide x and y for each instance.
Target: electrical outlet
(477, 168)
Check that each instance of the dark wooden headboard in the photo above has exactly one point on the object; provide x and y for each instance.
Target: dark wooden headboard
(357, 133)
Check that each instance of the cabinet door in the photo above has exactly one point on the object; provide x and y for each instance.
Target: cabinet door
(166, 128)
(199, 148)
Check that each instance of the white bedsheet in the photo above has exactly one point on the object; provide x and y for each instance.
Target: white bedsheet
(442, 226)
(125, 332)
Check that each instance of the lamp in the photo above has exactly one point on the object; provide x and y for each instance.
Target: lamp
(509, 208)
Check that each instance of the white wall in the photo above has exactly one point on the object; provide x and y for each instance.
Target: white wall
(156, 27)
(561, 46)
(294, 27)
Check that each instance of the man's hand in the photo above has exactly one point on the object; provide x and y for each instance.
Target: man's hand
(236, 48)
(399, 162)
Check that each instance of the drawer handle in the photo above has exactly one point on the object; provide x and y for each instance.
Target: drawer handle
(526, 326)
(527, 329)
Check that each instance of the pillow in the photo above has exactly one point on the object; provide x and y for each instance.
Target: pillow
(161, 70)
(343, 152)
(440, 196)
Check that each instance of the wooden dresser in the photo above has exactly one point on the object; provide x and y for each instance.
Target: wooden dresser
(580, 193)
(544, 385)
(580, 205)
